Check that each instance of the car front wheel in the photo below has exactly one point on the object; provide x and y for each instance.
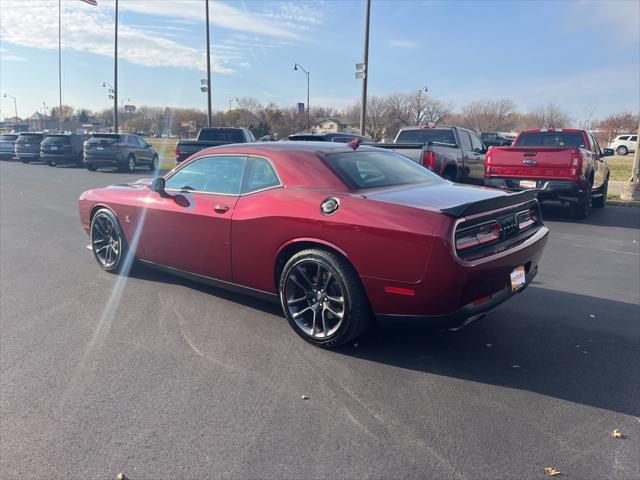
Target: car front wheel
(108, 242)
(323, 298)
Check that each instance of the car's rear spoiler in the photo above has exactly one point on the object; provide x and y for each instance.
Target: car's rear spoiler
(489, 204)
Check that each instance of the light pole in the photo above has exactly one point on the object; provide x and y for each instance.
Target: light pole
(295, 67)
(363, 111)
(208, 67)
(44, 111)
(15, 105)
(128, 100)
(233, 100)
(419, 113)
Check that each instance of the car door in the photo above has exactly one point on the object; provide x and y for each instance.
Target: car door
(138, 149)
(189, 227)
(467, 155)
(600, 166)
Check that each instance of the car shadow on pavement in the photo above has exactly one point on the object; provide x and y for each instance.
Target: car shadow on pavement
(572, 347)
(609, 216)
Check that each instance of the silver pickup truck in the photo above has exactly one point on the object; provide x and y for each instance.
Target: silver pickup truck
(454, 153)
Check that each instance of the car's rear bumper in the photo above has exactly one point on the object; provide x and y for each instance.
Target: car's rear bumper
(104, 160)
(29, 155)
(60, 159)
(564, 190)
(7, 155)
(453, 290)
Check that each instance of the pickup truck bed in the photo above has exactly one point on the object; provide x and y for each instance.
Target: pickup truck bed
(212, 137)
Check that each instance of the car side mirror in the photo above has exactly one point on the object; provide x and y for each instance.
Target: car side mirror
(607, 152)
(157, 185)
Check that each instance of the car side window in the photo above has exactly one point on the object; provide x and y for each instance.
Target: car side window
(476, 143)
(258, 175)
(633, 138)
(216, 174)
(466, 141)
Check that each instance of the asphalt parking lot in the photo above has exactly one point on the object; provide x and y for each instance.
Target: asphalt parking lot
(162, 378)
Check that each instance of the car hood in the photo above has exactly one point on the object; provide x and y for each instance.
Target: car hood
(138, 184)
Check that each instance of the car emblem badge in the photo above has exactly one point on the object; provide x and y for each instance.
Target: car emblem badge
(531, 163)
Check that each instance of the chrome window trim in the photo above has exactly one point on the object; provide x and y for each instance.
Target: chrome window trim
(176, 170)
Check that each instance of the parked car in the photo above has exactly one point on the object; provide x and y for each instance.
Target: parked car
(495, 139)
(340, 137)
(624, 144)
(455, 153)
(333, 232)
(7, 145)
(212, 137)
(125, 151)
(560, 164)
(27, 146)
(62, 148)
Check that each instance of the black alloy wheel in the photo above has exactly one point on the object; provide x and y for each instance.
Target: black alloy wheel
(108, 242)
(582, 208)
(155, 163)
(323, 298)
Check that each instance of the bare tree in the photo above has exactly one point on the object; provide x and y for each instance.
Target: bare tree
(619, 123)
(489, 115)
(547, 116)
(417, 108)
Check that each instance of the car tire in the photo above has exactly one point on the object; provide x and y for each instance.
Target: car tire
(582, 208)
(622, 150)
(51, 164)
(90, 167)
(599, 202)
(155, 163)
(108, 243)
(323, 298)
(24, 160)
(130, 166)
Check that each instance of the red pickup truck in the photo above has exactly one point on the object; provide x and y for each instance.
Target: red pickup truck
(562, 164)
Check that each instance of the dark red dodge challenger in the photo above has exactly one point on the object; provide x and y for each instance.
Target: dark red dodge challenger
(337, 233)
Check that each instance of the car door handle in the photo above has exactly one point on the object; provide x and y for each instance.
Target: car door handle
(221, 208)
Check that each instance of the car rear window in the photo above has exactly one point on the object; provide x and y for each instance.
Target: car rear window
(30, 137)
(57, 140)
(427, 135)
(370, 169)
(221, 135)
(551, 139)
(8, 138)
(104, 138)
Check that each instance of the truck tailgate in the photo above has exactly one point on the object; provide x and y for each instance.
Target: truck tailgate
(529, 162)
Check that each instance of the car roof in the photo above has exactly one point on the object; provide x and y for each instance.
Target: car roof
(263, 148)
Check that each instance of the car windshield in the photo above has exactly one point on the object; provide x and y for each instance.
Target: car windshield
(30, 137)
(551, 139)
(372, 169)
(221, 135)
(427, 135)
(57, 140)
(104, 138)
(8, 138)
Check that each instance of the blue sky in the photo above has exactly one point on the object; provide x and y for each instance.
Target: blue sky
(582, 55)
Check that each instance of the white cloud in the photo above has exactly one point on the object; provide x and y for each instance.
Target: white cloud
(403, 44)
(10, 57)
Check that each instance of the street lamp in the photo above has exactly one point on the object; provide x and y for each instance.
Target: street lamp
(233, 100)
(44, 110)
(15, 105)
(295, 67)
(111, 94)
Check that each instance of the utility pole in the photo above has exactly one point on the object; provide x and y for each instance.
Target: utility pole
(115, 74)
(363, 111)
(15, 105)
(208, 67)
(60, 61)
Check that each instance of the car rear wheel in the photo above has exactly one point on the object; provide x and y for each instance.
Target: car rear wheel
(323, 298)
(108, 242)
(155, 164)
(131, 164)
(622, 150)
(582, 209)
(50, 163)
(24, 160)
(90, 167)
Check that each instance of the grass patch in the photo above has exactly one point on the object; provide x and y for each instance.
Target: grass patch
(620, 167)
(614, 199)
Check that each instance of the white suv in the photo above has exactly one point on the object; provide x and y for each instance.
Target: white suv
(624, 144)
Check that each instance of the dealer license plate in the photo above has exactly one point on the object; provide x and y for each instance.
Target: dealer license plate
(517, 279)
(99, 148)
(528, 184)
(53, 147)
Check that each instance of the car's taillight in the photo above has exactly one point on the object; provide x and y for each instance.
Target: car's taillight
(429, 160)
(576, 163)
(177, 152)
(477, 235)
(487, 163)
(526, 219)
